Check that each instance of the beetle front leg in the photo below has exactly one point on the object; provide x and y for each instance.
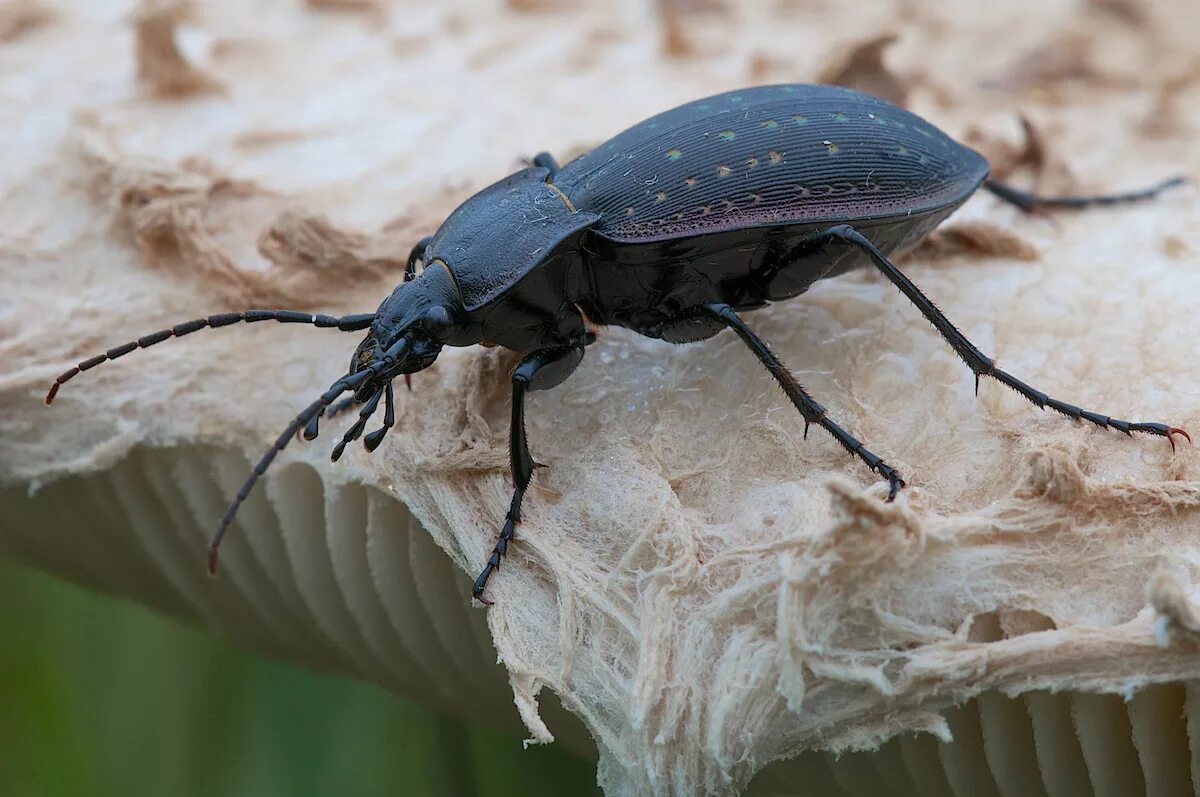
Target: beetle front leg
(979, 363)
(808, 406)
(540, 370)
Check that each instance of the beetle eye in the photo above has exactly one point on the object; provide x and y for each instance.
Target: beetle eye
(437, 321)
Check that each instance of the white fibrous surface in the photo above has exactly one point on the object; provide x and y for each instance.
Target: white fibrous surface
(704, 588)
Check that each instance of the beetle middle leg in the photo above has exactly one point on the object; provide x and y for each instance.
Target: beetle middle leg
(540, 370)
(808, 406)
(979, 363)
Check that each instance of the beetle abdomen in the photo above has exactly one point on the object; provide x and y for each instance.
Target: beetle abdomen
(769, 156)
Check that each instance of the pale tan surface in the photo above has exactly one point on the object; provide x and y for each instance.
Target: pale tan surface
(707, 590)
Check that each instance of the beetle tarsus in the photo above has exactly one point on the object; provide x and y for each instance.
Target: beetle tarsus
(977, 361)
(810, 410)
(1163, 430)
(498, 553)
(1071, 411)
(896, 482)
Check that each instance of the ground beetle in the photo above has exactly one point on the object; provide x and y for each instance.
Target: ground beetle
(671, 229)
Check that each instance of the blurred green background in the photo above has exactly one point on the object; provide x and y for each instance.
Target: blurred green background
(100, 697)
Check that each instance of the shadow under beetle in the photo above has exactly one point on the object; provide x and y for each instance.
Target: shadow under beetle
(671, 229)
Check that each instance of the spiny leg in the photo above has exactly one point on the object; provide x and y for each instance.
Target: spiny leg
(540, 370)
(809, 408)
(977, 361)
(349, 323)
(1029, 202)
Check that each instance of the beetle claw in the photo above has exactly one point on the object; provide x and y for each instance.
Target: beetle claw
(896, 482)
(1174, 430)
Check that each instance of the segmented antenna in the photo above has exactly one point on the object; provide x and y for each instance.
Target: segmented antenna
(348, 323)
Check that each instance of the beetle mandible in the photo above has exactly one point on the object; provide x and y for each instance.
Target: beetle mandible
(672, 229)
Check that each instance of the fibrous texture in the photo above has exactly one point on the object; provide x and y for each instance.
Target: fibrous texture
(707, 590)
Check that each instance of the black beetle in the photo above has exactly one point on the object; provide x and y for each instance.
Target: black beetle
(670, 229)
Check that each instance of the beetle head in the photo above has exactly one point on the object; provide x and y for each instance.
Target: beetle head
(410, 328)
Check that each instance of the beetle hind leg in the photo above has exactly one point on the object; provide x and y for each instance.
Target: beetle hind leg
(979, 363)
(812, 412)
(1030, 202)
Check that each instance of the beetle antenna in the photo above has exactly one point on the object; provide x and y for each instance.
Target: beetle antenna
(348, 323)
(347, 382)
(354, 431)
